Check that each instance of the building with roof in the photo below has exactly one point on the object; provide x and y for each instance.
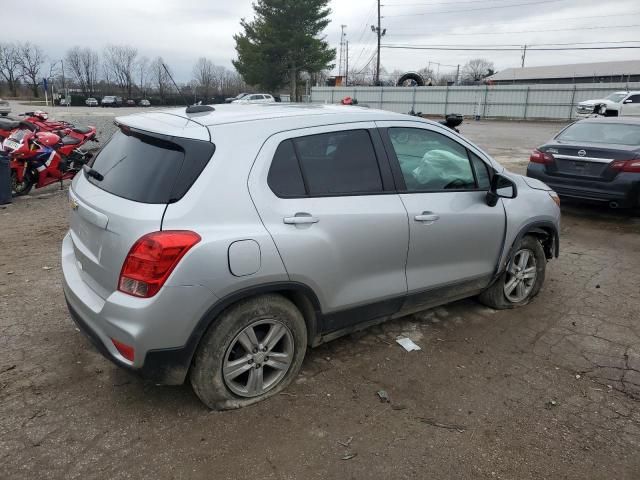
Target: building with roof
(600, 72)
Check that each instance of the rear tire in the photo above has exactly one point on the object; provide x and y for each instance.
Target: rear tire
(516, 287)
(233, 368)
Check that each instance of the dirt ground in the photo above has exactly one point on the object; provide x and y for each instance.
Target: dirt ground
(551, 390)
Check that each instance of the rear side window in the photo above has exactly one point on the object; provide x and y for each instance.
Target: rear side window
(328, 164)
(149, 168)
(285, 178)
(339, 163)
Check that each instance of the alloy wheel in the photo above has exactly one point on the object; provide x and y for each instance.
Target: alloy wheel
(521, 276)
(258, 358)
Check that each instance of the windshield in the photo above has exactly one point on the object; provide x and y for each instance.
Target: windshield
(600, 132)
(616, 97)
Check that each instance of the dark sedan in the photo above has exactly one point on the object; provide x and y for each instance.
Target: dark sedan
(595, 159)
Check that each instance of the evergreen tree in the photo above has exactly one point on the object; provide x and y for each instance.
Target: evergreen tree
(282, 41)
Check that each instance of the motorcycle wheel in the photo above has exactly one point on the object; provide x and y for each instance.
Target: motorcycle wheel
(20, 188)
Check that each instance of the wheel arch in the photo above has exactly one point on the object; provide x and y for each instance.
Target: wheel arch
(545, 231)
(171, 366)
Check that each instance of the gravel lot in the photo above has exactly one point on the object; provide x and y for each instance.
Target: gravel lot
(550, 390)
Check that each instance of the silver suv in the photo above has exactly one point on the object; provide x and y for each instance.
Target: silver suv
(220, 244)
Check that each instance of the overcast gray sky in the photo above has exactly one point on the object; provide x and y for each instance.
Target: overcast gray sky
(183, 30)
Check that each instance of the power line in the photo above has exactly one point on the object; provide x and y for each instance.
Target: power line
(556, 20)
(474, 9)
(425, 4)
(365, 29)
(519, 45)
(506, 49)
(521, 31)
(367, 64)
(420, 4)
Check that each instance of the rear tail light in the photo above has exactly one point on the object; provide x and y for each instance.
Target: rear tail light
(630, 166)
(541, 157)
(152, 259)
(127, 351)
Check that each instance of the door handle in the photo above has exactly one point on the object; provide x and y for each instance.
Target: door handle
(427, 218)
(300, 219)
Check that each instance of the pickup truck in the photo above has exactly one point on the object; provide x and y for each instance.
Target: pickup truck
(617, 104)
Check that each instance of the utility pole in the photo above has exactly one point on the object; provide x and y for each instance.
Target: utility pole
(63, 84)
(342, 27)
(380, 34)
(457, 75)
(346, 72)
(524, 55)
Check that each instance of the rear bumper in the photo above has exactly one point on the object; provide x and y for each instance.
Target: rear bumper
(158, 328)
(624, 189)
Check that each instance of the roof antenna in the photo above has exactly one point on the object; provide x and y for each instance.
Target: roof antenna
(190, 108)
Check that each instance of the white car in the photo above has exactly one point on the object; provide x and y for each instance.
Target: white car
(617, 104)
(256, 98)
(91, 102)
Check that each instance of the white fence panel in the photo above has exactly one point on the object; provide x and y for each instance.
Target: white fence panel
(499, 101)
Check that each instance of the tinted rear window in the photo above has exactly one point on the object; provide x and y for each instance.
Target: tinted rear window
(150, 168)
(596, 132)
(339, 163)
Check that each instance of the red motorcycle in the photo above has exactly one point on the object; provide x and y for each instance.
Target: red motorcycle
(7, 126)
(38, 159)
(39, 121)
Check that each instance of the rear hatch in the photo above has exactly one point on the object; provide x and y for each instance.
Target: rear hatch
(138, 173)
(586, 150)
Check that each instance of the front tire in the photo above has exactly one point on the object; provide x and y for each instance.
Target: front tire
(522, 279)
(251, 352)
(20, 188)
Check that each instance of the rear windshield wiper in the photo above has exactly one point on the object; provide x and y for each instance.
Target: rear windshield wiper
(93, 173)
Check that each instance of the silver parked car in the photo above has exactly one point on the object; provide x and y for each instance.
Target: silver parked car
(250, 233)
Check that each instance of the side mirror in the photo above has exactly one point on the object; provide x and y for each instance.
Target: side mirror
(628, 100)
(501, 187)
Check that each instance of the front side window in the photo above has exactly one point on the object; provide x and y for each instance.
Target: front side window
(482, 172)
(328, 164)
(431, 161)
(634, 99)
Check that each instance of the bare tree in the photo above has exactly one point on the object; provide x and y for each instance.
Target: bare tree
(119, 63)
(159, 78)
(477, 69)
(31, 58)
(204, 74)
(84, 66)
(143, 75)
(10, 66)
